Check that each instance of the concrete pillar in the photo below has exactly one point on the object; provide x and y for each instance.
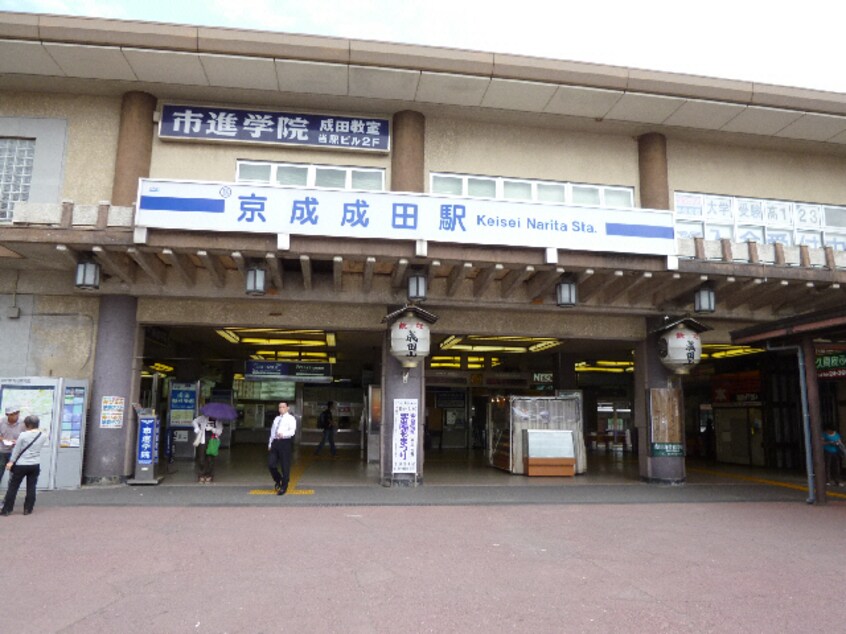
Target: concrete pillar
(408, 172)
(652, 166)
(564, 372)
(393, 388)
(651, 373)
(135, 146)
(815, 415)
(117, 358)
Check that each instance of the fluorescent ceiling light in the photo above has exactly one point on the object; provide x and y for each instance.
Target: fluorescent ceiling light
(230, 336)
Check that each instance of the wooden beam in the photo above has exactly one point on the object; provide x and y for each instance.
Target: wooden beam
(149, 263)
(367, 276)
(432, 272)
(274, 267)
(742, 293)
(338, 273)
(657, 286)
(182, 265)
(513, 278)
(214, 267)
(615, 287)
(765, 295)
(542, 281)
(114, 264)
(626, 284)
(457, 276)
(67, 255)
(591, 284)
(240, 262)
(305, 264)
(680, 294)
(399, 273)
(484, 278)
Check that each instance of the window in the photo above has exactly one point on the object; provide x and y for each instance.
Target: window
(16, 162)
(304, 175)
(761, 220)
(529, 190)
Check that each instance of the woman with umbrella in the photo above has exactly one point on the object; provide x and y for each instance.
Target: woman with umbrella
(207, 430)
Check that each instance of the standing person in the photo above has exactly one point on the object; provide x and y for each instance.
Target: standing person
(10, 429)
(327, 423)
(281, 447)
(205, 429)
(25, 463)
(831, 452)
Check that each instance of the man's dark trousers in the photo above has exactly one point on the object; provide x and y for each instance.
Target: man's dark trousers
(280, 458)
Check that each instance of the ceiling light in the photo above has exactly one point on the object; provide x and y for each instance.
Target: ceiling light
(566, 294)
(87, 275)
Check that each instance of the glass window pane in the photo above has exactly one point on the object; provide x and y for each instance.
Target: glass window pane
(330, 177)
(483, 187)
(253, 172)
(716, 232)
(583, 195)
(835, 241)
(552, 193)
(293, 175)
(370, 180)
(750, 234)
(834, 217)
(780, 236)
(516, 190)
(619, 198)
(811, 238)
(689, 230)
(451, 185)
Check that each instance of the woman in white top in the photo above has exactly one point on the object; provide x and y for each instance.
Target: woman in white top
(205, 428)
(25, 462)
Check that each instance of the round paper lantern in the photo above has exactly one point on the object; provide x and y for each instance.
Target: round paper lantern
(410, 340)
(680, 349)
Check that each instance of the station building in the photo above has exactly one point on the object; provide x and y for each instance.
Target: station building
(191, 205)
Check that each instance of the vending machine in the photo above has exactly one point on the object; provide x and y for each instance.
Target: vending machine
(61, 405)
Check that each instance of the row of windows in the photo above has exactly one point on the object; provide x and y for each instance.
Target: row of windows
(760, 220)
(299, 175)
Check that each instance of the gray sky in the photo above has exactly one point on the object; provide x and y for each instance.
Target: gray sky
(791, 44)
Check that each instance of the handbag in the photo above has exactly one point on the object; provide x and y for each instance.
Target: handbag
(213, 446)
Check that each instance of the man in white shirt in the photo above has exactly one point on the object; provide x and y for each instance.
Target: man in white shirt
(10, 429)
(281, 447)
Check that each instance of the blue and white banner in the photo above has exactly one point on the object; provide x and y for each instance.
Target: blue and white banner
(204, 123)
(200, 206)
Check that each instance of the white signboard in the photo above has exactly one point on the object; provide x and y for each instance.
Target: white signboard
(201, 206)
(111, 412)
(405, 435)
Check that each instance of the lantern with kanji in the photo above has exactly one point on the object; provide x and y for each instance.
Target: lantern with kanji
(680, 348)
(410, 337)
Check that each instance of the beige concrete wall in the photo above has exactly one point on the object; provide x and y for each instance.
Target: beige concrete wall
(490, 149)
(92, 138)
(218, 161)
(758, 173)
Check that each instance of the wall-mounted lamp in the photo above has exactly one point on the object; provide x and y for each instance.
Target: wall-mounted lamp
(416, 287)
(566, 293)
(704, 299)
(87, 275)
(256, 280)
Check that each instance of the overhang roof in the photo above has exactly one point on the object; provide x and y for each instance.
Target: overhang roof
(827, 324)
(180, 62)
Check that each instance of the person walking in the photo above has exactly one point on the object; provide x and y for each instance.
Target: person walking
(326, 422)
(205, 429)
(831, 452)
(25, 463)
(10, 429)
(281, 448)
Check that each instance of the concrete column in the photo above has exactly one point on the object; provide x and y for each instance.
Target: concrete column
(564, 372)
(408, 172)
(135, 146)
(393, 388)
(652, 165)
(651, 373)
(109, 452)
(815, 415)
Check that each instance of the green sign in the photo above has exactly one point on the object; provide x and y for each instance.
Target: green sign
(668, 449)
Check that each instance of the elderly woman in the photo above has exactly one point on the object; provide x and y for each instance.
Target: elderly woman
(25, 463)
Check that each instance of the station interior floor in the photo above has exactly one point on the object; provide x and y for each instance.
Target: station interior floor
(246, 465)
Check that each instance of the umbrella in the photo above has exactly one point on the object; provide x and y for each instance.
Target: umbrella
(220, 411)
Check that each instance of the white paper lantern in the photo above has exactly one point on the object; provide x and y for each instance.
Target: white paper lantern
(410, 340)
(680, 349)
